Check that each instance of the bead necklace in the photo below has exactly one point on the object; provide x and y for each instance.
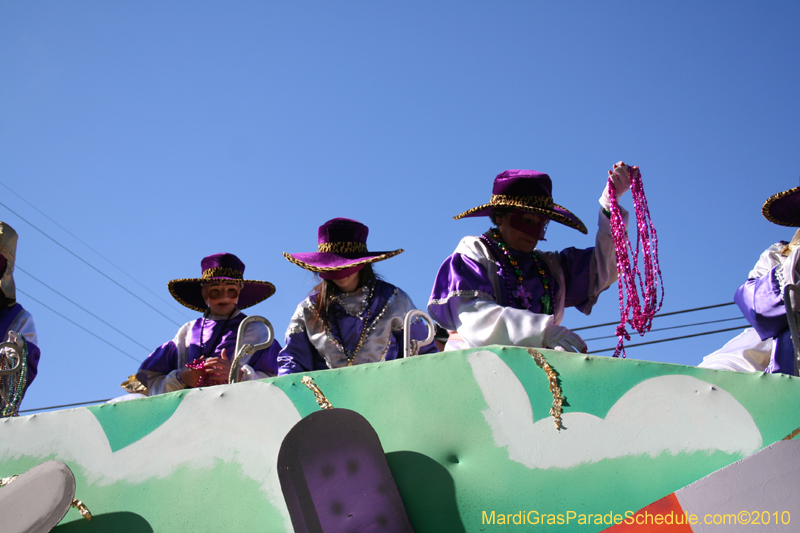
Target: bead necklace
(635, 310)
(204, 380)
(499, 249)
(351, 356)
(16, 385)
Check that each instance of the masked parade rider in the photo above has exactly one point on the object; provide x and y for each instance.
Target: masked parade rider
(498, 288)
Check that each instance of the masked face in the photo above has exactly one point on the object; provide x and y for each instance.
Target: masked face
(221, 298)
(522, 230)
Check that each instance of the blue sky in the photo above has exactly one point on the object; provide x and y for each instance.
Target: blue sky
(161, 132)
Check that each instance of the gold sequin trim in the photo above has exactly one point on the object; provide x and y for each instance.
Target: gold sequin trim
(792, 435)
(81, 507)
(555, 388)
(132, 385)
(548, 212)
(342, 247)
(7, 251)
(364, 261)
(322, 401)
(222, 272)
(522, 201)
(765, 209)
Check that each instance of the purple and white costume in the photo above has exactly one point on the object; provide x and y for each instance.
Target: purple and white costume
(477, 295)
(15, 320)
(309, 346)
(207, 336)
(767, 346)
(366, 325)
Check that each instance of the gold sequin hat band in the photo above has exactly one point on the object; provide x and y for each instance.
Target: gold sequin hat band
(527, 190)
(783, 208)
(221, 268)
(342, 247)
(223, 273)
(341, 244)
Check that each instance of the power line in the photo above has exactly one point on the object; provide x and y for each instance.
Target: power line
(658, 315)
(83, 328)
(588, 327)
(17, 267)
(92, 266)
(85, 244)
(671, 339)
(673, 327)
(60, 406)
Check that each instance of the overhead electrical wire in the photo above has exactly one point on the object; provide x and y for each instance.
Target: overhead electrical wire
(586, 327)
(674, 327)
(48, 217)
(673, 338)
(60, 406)
(115, 282)
(83, 328)
(17, 267)
(657, 316)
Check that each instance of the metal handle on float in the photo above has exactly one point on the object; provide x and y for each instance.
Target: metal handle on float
(411, 347)
(16, 356)
(791, 317)
(248, 349)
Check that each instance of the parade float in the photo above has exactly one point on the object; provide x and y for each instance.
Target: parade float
(476, 440)
(495, 438)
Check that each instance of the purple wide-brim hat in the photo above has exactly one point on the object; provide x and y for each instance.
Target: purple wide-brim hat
(783, 208)
(220, 268)
(341, 244)
(527, 190)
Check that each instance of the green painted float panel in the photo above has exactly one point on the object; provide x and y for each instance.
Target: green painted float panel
(125, 426)
(466, 434)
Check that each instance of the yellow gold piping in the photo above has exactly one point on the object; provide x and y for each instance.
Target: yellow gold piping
(81, 507)
(322, 401)
(555, 389)
(792, 435)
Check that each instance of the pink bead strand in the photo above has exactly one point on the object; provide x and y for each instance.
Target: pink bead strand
(637, 312)
(204, 381)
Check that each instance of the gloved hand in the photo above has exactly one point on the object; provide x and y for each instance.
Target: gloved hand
(621, 179)
(560, 338)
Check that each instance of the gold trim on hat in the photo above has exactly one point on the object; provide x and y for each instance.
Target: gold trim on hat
(373, 259)
(546, 211)
(6, 250)
(342, 247)
(222, 272)
(522, 201)
(775, 197)
(171, 285)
